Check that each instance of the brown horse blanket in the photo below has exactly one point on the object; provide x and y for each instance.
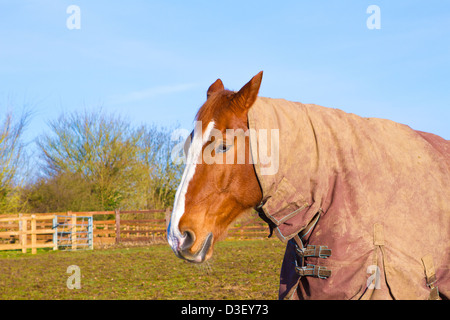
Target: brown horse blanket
(375, 192)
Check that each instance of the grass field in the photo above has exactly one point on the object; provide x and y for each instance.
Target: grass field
(238, 270)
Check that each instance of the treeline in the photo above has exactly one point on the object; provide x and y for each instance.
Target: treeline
(86, 161)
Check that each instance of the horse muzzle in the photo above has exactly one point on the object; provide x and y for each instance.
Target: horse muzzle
(184, 251)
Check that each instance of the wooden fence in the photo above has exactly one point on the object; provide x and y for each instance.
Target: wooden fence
(31, 231)
(128, 227)
(108, 228)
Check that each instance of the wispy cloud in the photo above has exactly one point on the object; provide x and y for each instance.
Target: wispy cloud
(150, 93)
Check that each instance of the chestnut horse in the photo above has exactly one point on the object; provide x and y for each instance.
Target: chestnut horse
(212, 195)
(379, 188)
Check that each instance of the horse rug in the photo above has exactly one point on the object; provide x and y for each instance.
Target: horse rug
(362, 203)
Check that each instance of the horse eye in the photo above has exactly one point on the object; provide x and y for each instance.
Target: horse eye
(222, 148)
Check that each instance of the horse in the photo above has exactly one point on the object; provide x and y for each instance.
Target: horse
(211, 196)
(361, 203)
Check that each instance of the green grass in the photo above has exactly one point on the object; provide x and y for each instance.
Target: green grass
(238, 270)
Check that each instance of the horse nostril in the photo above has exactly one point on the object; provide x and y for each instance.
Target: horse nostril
(189, 238)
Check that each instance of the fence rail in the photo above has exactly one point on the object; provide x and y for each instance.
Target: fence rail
(107, 228)
(26, 227)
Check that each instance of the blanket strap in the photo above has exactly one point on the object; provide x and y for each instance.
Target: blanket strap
(314, 251)
(263, 216)
(310, 251)
(430, 274)
(313, 271)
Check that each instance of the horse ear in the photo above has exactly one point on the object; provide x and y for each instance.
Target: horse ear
(246, 97)
(216, 86)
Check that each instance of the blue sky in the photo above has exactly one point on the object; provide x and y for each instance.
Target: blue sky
(152, 61)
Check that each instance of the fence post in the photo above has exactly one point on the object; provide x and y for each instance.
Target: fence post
(117, 212)
(24, 234)
(20, 229)
(91, 232)
(74, 230)
(55, 232)
(33, 234)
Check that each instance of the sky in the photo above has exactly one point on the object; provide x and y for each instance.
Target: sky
(152, 61)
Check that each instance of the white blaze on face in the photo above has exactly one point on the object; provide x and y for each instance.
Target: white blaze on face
(194, 156)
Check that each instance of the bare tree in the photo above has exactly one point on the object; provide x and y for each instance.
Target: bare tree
(101, 148)
(117, 165)
(11, 160)
(164, 174)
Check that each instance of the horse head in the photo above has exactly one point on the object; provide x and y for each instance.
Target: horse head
(219, 182)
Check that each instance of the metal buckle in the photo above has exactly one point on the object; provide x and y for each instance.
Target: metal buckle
(320, 268)
(302, 252)
(324, 256)
(311, 270)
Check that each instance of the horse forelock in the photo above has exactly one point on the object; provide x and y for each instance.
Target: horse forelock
(218, 108)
